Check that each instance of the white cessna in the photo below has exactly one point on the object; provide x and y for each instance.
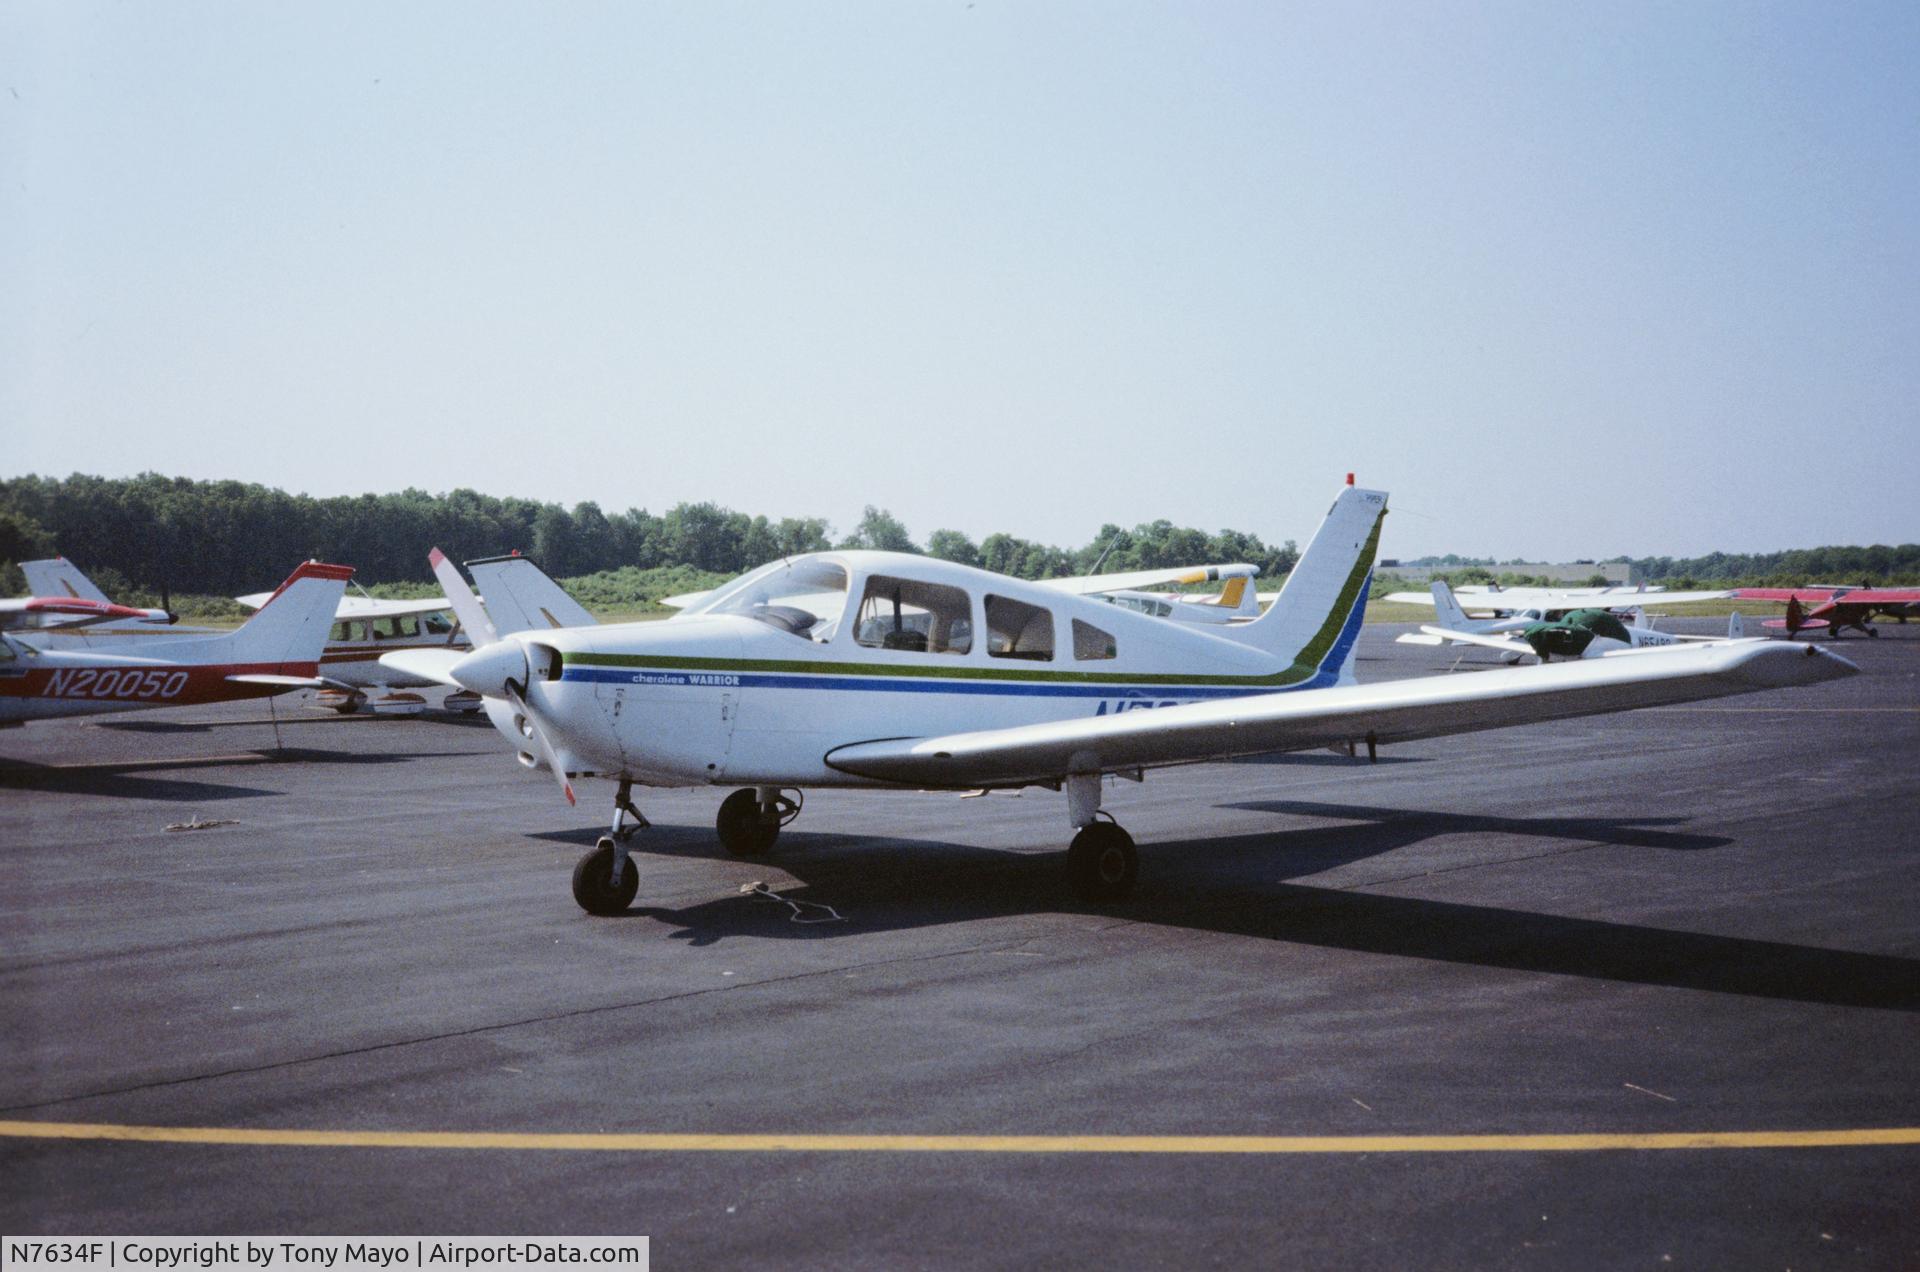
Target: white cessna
(1581, 633)
(936, 675)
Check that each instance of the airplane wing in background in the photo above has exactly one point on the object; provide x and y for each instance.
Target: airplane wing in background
(1524, 598)
(1139, 580)
(364, 607)
(1395, 711)
(44, 612)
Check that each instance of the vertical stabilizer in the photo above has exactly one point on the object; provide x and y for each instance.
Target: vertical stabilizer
(1316, 618)
(520, 597)
(60, 577)
(292, 626)
(1446, 608)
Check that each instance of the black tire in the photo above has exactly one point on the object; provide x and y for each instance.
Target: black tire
(744, 830)
(593, 885)
(1102, 864)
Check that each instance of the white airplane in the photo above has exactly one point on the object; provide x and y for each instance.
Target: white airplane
(1004, 684)
(276, 650)
(1583, 633)
(1546, 604)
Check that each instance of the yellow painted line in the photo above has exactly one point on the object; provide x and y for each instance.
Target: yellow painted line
(777, 1143)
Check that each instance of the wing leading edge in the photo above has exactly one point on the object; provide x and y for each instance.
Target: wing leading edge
(1396, 711)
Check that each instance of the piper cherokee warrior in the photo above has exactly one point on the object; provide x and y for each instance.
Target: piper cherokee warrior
(926, 674)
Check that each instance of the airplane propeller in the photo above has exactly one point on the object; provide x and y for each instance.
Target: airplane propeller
(496, 668)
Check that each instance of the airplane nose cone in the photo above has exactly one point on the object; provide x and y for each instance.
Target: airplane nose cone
(486, 671)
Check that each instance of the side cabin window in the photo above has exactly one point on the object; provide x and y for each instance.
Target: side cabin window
(437, 624)
(341, 632)
(924, 618)
(396, 627)
(1016, 629)
(1090, 643)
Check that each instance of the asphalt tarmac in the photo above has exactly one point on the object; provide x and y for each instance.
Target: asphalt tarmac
(1701, 922)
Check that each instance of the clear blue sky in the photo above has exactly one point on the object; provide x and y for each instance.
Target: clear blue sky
(1567, 279)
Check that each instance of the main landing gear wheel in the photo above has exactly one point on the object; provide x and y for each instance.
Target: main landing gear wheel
(1102, 864)
(593, 885)
(747, 827)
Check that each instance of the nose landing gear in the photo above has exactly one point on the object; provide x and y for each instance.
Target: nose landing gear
(605, 880)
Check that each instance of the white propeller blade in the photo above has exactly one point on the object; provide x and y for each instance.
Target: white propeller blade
(547, 752)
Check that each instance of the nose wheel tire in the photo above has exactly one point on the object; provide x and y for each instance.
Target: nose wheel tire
(1102, 864)
(745, 829)
(593, 885)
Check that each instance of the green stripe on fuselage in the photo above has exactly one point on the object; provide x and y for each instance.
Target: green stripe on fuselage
(1317, 648)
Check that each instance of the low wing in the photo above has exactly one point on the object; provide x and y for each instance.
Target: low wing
(1396, 711)
(1136, 580)
(428, 664)
(367, 607)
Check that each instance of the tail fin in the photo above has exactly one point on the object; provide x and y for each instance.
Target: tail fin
(1736, 626)
(1238, 595)
(520, 597)
(60, 577)
(1446, 608)
(1316, 618)
(292, 626)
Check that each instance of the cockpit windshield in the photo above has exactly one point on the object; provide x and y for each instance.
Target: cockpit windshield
(804, 596)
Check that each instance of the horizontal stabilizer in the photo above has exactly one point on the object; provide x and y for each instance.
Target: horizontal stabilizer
(282, 682)
(428, 664)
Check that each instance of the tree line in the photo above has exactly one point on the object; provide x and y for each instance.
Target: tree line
(227, 537)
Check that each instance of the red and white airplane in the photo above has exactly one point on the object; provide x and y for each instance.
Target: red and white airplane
(276, 650)
(1834, 608)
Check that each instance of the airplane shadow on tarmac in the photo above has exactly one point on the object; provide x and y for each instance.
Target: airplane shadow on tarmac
(1239, 885)
(123, 779)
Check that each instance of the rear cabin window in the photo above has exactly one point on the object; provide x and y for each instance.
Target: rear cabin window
(1090, 643)
(438, 625)
(923, 618)
(341, 632)
(397, 627)
(1016, 629)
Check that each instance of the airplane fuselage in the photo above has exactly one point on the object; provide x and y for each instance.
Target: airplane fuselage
(725, 698)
